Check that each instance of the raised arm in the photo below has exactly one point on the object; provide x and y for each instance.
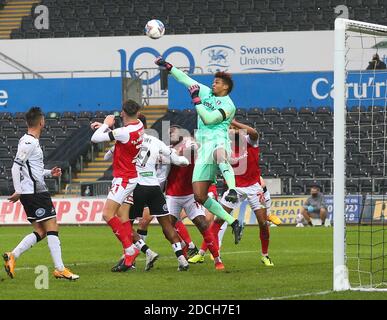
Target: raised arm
(182, 77)
(253, 134)
(103, 133)
(179, 75)
(172, 153)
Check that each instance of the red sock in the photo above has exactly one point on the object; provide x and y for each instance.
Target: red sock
(183, 232)
(211, 241)
(214, 228)
(121, 232)
(184, 247)
(128, 226)
(264, 235)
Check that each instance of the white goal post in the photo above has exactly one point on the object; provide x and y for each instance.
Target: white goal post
(344, 29)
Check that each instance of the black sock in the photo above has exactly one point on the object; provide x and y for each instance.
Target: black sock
(142, 232)
(179, 253)
(144, 248)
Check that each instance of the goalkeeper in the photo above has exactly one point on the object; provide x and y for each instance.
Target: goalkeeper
(215, 112)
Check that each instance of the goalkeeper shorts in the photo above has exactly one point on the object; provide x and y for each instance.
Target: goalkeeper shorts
(205, 165)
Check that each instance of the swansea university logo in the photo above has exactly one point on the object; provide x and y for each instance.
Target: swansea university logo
(218, 57)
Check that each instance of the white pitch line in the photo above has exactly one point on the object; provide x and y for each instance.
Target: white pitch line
(321, 293)
(138, 259)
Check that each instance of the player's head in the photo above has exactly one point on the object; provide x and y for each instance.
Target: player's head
(130, 109)
(175, 134)
(35, 118)
(222, 84)
(375, 57)
(314, 190)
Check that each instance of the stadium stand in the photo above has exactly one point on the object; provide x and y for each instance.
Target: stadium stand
(295, 146)
(72, 18)
(298, 146)
(65, 140)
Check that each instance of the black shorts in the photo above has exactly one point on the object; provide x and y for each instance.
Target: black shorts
(151, 197)
(38, 206)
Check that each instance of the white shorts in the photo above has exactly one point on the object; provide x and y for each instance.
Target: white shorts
(252, 194)
(122, 192)
(191, 207)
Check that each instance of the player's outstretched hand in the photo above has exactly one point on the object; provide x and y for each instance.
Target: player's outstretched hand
(109, 120)
(162, 63)
(56, 172)
(15, 197)
(194, 92)
(95, 125)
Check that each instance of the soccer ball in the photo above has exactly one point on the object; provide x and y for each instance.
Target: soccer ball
(154, 29)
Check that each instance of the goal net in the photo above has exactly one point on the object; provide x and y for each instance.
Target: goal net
(360, 158)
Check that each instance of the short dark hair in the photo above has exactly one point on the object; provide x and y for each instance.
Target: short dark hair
(315, 186)
(226, 77)
(130, 107)
(33, 116)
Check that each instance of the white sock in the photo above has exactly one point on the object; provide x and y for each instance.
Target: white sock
(55, 249)
(221, 233)
(176, 246)
(191, 245)
(182, 259)
(139, 244)
(131, 250)
(28, 241)
(202, 252)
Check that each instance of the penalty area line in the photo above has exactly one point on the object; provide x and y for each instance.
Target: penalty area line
(321, 293)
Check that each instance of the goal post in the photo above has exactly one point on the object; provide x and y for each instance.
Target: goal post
(354, 41)
(340, 274)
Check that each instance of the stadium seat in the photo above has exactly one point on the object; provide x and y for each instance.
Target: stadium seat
(241, 16)
(267, 17)
(245, 6)
(282, 16)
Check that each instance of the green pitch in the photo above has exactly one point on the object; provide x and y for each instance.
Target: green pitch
(302, 257)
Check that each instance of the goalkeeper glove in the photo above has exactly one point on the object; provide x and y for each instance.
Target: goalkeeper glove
(194, 92)
(164, 64)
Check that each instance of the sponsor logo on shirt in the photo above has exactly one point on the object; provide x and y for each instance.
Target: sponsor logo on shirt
(146, 174)
(208, 105)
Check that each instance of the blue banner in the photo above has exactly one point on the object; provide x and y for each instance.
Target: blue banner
(288, 207)
(80, 94)
(295, 89)
(353, 206)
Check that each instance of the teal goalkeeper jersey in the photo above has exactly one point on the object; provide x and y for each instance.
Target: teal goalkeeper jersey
(209, 132)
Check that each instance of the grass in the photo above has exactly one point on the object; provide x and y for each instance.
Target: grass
(302, 257)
